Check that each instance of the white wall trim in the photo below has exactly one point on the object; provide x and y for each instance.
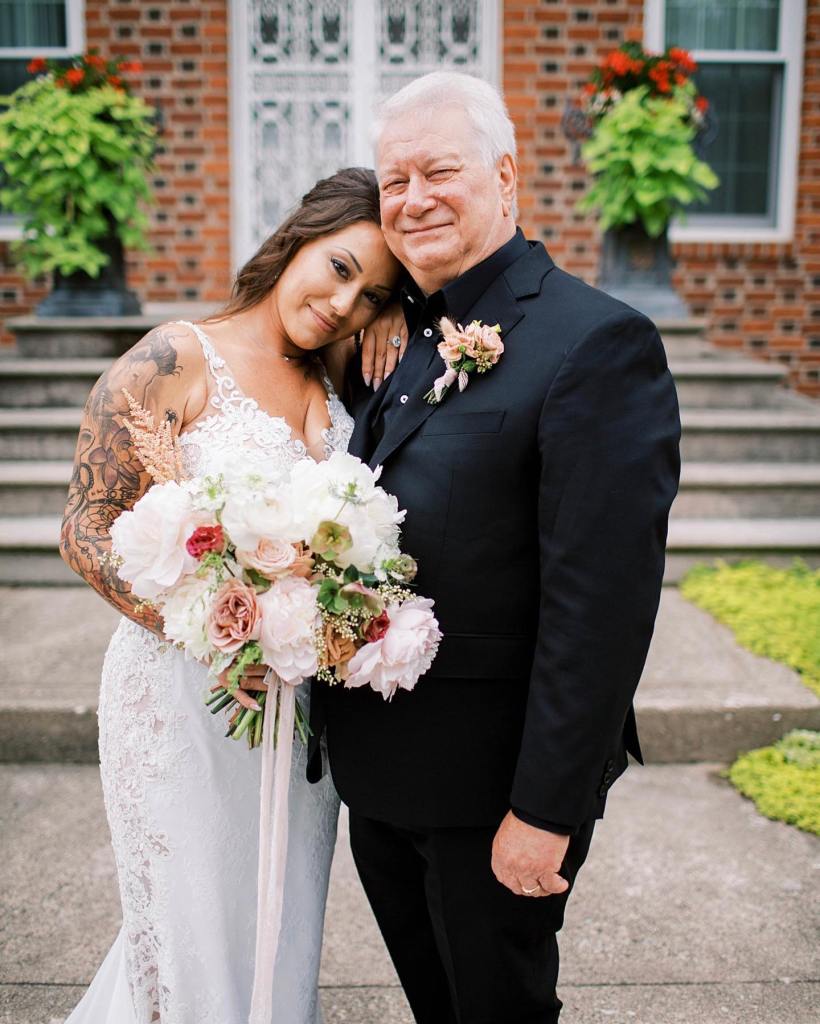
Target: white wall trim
(790, 54)
(240, 159)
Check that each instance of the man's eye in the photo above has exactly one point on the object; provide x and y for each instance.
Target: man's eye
(340, 268)
(442, 172)
(395, 184)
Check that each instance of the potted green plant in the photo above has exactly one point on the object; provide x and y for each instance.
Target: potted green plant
(76, 148)
(644, 113)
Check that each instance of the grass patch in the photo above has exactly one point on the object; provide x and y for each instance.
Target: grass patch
(784, 780)
(772, 612)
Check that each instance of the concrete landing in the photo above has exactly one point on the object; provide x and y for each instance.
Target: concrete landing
(691, 908)
(702, 697)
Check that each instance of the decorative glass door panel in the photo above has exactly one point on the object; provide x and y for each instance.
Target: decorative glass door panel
(307, 74)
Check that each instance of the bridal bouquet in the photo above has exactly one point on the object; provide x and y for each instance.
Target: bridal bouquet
(299, 571)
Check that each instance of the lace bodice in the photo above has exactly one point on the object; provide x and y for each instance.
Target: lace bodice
(238, 422)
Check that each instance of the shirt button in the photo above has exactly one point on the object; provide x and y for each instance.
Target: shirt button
(403, 399)
(428, 333)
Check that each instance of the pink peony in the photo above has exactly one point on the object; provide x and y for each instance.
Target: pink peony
(290, 618)
(270, 558)
(403, 654)
(234, 617)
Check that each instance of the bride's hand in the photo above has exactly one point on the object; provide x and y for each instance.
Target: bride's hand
(380, 355)
(252, 681)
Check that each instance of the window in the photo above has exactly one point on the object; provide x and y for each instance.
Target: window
(34, 28)
(304, 79)
(750, 65)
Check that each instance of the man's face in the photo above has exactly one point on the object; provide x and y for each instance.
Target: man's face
(443, 209)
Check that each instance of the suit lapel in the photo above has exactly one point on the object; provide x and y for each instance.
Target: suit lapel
(496, 305)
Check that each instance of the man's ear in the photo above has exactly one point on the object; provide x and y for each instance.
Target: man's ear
(508, 181)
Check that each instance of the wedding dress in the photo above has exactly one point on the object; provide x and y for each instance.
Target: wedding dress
(183, 801)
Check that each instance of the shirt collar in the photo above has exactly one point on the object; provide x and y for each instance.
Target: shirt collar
(458, 297)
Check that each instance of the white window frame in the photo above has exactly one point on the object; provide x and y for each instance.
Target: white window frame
(75, 43)
(790, 55)
(363, 67)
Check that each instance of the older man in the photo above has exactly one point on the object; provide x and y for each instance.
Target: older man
(537, 506)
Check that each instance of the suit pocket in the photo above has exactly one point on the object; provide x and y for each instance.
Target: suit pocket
(463, 423)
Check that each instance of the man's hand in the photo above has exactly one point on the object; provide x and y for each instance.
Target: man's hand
(528, 858)
(380, 355)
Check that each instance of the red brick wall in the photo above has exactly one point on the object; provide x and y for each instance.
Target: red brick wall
(764, 299)
(183, 47)
(761, 298)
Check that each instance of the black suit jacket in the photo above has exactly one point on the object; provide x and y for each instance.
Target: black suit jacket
(537, 504)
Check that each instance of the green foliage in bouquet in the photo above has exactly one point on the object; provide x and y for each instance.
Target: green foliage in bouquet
(784, 780)
(773, 612)
(76, 148)
(645, 169)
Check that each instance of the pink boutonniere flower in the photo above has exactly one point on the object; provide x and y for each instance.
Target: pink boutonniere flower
(475, 348)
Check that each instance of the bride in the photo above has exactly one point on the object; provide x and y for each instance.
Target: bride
(181, 800)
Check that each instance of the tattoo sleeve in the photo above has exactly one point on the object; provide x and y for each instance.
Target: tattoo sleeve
(108, 477)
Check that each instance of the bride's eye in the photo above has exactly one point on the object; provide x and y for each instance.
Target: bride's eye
(373, 298)
(340, 268)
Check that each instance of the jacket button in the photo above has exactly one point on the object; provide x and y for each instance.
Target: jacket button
(602, 791)
(403, 399)
(428, 333)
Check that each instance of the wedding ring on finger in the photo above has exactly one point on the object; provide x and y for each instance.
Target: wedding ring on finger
(529, 892)
(395, 341)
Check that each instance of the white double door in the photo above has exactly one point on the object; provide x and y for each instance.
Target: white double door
(306, 75)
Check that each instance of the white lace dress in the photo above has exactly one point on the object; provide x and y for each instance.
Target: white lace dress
(183, 803)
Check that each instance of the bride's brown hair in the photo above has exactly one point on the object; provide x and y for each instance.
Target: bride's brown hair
(346, 197)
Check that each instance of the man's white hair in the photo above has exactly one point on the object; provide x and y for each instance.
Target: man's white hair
(480, 101)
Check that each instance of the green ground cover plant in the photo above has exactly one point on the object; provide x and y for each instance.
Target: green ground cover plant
(784, 780)
(773, 612)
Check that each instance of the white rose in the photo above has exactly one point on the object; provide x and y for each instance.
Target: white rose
(150, 539)
(185, 615)
(251, 514)
(290, 618)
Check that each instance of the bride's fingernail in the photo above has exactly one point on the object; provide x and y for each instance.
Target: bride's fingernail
(377, 383)
(367, 379)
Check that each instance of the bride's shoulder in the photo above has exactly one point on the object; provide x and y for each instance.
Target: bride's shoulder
(166, 368)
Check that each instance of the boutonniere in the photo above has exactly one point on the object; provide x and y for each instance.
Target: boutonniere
(475, 348)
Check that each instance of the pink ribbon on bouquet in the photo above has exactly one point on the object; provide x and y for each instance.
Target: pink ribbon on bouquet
(277, 752)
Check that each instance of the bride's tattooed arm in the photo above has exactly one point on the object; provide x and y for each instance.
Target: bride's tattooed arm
(161, 372)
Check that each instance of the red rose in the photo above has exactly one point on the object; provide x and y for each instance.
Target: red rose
(205, 539)
(74, 76)
(376, 628)
(35, 66)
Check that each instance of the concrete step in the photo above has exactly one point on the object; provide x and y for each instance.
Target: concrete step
(33, 488)
(32, 383)
(29, 552)
(777, 541)
(728, 490)
(755, 435)
(69, 337)
(728, 384)
(702, 697)
(49, 434)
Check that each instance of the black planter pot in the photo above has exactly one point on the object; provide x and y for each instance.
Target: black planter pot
(637, 270)
(79, 294)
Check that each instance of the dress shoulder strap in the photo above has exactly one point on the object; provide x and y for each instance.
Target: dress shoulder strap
(215, 361)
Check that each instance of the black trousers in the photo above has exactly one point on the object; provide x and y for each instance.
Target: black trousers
(466, 949)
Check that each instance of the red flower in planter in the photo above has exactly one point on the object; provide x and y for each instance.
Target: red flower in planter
(36, 65)
(75, 76)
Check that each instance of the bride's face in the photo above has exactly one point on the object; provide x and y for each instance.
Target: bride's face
(335, 285)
